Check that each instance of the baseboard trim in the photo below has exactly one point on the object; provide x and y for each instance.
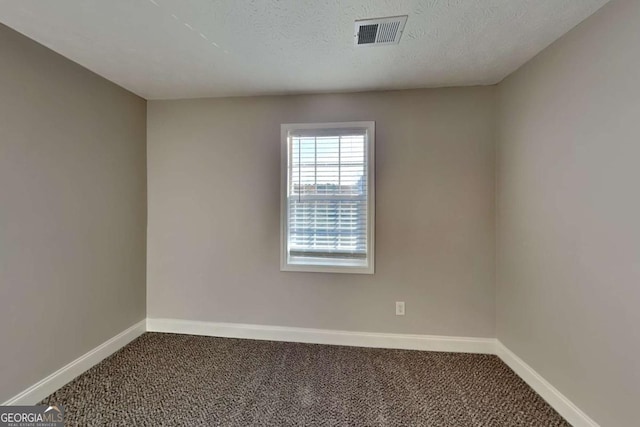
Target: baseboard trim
(574, 415)
(324, 336)
(557, 400)
(62, 376)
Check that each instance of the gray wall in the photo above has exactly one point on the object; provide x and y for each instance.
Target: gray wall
(214, 214)
(72, 211)
(568, 294)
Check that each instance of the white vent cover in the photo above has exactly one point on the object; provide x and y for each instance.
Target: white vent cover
(379, 31)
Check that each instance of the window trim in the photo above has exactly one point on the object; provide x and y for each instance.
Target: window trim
(371, 202)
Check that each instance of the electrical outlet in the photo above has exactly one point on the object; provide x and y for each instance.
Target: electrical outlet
(399, 308)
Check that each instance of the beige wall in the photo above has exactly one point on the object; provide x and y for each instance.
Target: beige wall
(72, 211)
(214, 212)
(568, 294)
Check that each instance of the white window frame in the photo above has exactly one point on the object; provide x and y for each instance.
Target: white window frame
(320, 265)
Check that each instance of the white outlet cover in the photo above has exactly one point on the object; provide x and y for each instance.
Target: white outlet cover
(400, 310)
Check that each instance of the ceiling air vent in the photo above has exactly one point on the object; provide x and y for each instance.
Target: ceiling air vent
(379, 31)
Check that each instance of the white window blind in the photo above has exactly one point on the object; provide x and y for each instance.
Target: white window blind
(327, 218)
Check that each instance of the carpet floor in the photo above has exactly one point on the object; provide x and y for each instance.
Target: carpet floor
(184, 380)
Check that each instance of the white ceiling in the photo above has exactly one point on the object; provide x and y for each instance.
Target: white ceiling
(198, 48)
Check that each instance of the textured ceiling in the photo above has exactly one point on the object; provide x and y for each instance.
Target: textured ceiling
(199, 48)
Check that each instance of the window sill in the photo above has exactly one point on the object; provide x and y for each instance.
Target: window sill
(319, 265)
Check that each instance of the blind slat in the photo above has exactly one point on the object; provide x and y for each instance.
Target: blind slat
(347, 133)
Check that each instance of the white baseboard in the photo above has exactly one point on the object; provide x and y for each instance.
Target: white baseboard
(566, 408)
(325, 336)
(557, 400)
(62, 376)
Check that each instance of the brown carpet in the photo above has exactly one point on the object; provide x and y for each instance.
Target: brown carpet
(184, 380)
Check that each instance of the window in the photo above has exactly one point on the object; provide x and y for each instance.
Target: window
(327, 190)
